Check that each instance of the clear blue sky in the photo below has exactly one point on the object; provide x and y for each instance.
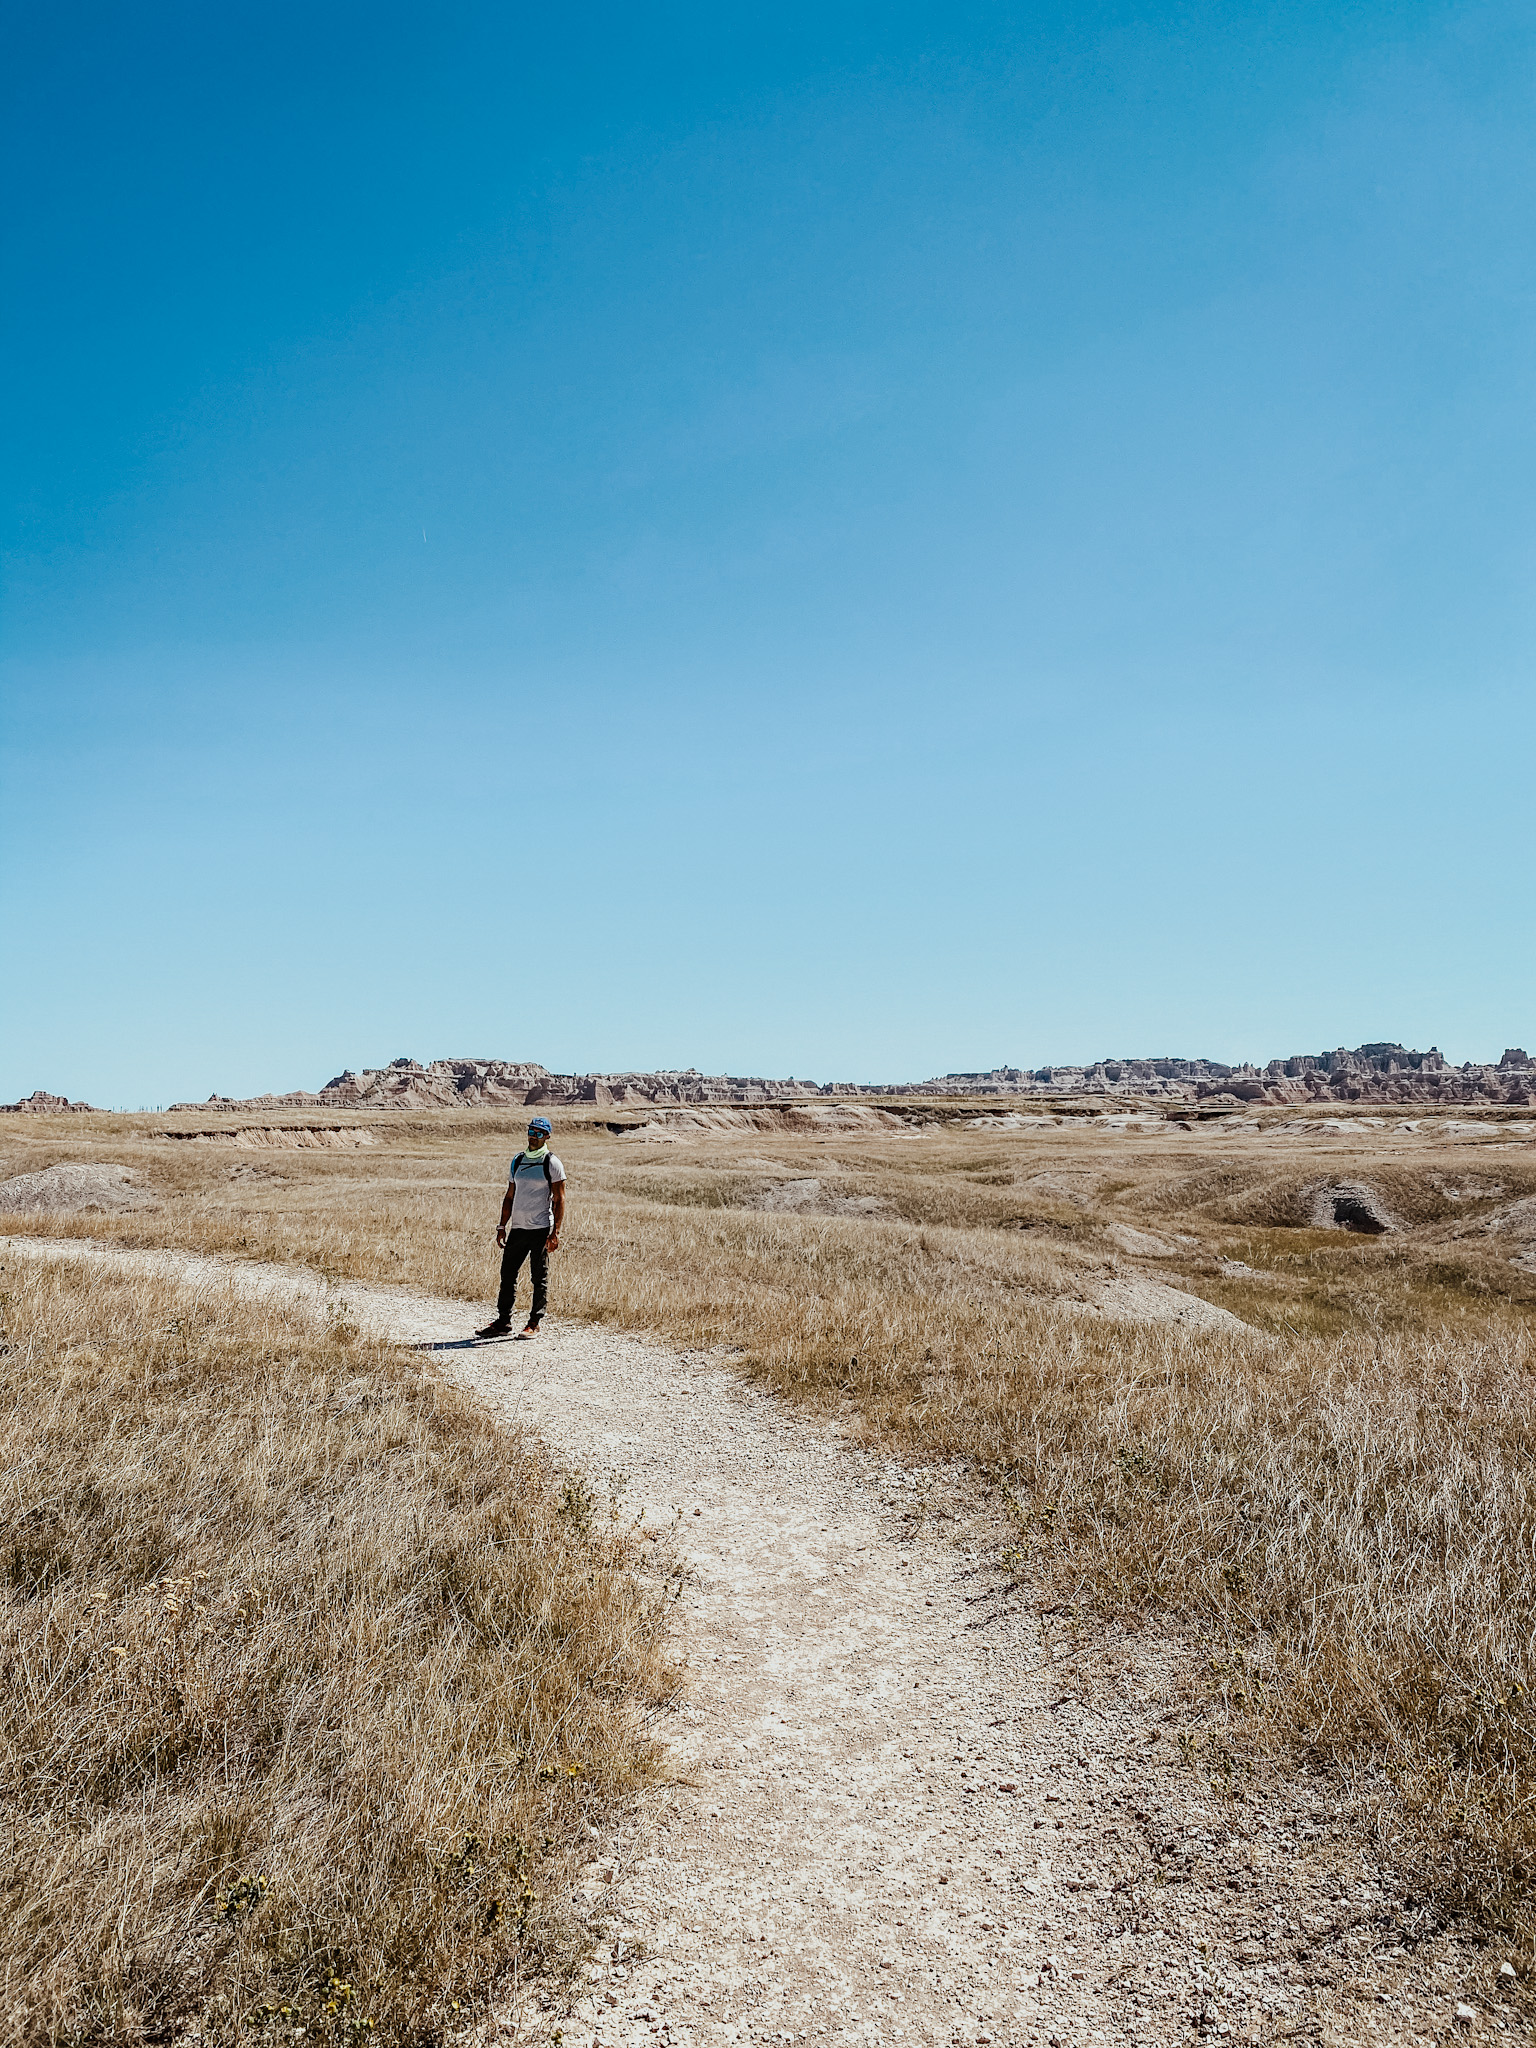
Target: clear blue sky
(848, 540)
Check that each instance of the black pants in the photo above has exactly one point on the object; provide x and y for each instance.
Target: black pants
(529, 1245)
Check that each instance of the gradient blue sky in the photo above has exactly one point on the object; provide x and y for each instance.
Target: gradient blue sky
(855, 542)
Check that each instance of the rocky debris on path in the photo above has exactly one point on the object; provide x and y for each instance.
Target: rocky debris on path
(41, 1103)
(71, 1185)
(905, 1817)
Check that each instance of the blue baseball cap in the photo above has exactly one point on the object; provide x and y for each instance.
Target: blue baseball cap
(541, 1123)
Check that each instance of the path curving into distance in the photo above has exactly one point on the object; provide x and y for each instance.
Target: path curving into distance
(892, 1817)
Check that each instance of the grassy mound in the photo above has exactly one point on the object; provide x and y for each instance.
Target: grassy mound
(311, 1676)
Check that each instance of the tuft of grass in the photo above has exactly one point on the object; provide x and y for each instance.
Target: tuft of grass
(310, 1677)
(1346, 1523)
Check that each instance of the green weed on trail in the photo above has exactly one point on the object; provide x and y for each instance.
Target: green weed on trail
(307, 1683)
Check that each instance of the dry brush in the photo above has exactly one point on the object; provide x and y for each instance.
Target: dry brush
(1336, 1499)
(311, 1676)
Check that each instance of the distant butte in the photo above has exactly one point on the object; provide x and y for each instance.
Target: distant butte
(1369, 1073)
(41, 1103)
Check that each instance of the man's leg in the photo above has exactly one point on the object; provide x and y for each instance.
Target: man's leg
(519, 1244)
(538, 1263)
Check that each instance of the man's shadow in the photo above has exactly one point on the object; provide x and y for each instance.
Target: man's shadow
(463, 1343)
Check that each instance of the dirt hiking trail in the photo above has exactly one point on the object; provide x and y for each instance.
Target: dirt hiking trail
(894, 1815)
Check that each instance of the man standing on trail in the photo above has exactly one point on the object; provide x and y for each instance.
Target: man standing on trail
(534, 1208)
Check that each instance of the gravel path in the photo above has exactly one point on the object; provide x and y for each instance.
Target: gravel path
(895, 1815)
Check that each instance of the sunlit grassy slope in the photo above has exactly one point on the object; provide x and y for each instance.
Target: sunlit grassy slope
(1336, 1491)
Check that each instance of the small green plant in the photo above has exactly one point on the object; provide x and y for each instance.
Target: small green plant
(578, 1501)
(463, 1863)
(243, 1896)
(1142, 1468)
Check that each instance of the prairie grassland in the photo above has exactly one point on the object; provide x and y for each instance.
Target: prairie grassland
(1337, 1497)
(310, 1677)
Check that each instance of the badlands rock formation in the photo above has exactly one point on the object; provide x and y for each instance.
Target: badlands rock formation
(1381, 1073)
(1370, 1073)
(473, 1084)
(41, 1103)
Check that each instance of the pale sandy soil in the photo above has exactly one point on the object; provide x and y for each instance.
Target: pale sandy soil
(897, 1812)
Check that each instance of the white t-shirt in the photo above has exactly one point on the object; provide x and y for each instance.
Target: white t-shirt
(532, 1206)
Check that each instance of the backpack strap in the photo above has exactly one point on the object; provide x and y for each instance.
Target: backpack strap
(549, 1178)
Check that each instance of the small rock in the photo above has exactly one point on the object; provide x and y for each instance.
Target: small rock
(1006, 1785)
(1507, 1973)
(1465, 2015)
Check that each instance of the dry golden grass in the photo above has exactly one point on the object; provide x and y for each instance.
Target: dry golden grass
(1339, 1498)
(311, 1676)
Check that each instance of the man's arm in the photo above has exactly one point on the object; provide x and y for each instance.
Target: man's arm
(506, 1212)
(557, 1200)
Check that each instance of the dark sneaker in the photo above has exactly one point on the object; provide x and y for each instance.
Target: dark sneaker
(497, 1329)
